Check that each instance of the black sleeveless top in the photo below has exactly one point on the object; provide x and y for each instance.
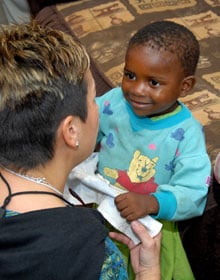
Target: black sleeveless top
(61, 243)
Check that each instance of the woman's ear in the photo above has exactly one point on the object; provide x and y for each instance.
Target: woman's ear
(70, 131)
(187, 84)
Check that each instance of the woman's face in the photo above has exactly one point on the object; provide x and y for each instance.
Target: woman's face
(90, 127)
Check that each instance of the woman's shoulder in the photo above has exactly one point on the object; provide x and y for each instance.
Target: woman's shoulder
(66, 231)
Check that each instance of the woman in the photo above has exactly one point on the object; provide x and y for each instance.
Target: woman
(48, 125)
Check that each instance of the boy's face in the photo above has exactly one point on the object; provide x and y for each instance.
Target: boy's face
(152, 80)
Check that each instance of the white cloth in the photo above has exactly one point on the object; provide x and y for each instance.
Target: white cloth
(93, 188)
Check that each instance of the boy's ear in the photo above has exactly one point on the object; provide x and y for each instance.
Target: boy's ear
(187, 84)
(70, 131)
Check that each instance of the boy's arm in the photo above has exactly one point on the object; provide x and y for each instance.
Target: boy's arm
(183, 198)
(188, 187)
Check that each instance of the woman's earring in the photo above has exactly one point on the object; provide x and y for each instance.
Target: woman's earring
(77, 144)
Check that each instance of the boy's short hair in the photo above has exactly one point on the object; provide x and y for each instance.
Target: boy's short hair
(172, 37)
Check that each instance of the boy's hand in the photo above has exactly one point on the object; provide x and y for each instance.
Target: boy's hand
(133, 206)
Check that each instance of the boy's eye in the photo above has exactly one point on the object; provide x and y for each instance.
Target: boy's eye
(129, 75)
(154, 83)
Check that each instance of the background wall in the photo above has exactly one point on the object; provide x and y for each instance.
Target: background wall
(3, 19)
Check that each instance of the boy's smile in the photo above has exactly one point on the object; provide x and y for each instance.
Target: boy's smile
(153, 80)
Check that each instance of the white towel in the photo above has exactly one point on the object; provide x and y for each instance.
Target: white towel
(93, 188)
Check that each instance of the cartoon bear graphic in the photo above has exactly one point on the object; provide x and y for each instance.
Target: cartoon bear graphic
(139, 177)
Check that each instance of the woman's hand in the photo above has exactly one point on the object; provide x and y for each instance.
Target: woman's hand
(145, 257)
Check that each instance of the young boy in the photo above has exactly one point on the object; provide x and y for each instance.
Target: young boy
(150, 143)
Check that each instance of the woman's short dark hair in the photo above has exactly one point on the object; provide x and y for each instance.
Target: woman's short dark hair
(41, 82)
